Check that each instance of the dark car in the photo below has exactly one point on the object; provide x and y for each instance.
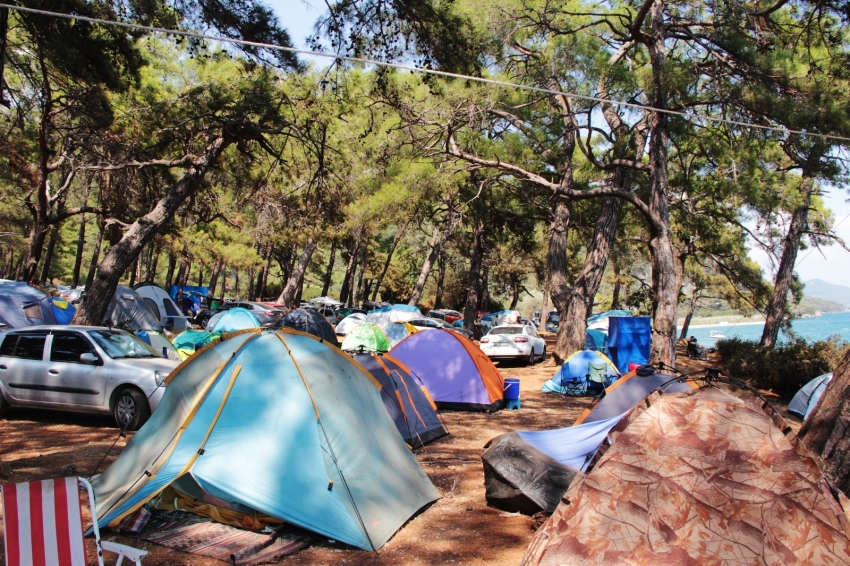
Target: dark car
(448, 315)
(267, 315)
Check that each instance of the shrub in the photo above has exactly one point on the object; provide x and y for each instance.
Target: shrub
(785, 368)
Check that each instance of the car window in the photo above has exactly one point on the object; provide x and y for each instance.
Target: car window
(30, 346)
(507, 330)
(67, 347)
(122, 345)
(7, 348)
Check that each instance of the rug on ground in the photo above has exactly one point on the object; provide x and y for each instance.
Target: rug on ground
(223, 542)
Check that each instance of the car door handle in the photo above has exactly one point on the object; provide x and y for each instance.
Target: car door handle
(53, 371)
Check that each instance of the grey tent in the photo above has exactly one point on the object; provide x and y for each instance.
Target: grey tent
(24, 305)
(311, 322)
(808, 396)
(127, 310)
(163, 307)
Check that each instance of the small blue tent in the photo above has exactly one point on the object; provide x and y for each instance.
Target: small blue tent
(629, 339)
(24, 305)
(232, 320)
(577, 366)
(279, 423)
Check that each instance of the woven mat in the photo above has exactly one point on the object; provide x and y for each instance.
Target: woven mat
(223, 542)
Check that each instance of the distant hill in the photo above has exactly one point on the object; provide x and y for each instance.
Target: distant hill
(820, 289)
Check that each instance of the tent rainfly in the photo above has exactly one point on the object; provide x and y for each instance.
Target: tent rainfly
(366, 337)
(806, 399)
(162, 306)
(311, 322)
(698, 477)
(127, 310)
(277, 423)
(24, 305)
(232, 320)
(454, 369)
(407, 401)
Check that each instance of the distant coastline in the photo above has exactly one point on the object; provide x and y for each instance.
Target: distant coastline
(714, 322)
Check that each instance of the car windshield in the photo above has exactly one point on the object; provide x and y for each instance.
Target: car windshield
(506, 330)
(119, 345)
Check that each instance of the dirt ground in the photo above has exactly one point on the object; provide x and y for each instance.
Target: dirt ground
(458, 529)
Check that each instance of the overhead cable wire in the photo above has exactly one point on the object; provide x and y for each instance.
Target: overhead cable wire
(412, 69)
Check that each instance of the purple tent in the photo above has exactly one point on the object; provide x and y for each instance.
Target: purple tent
(453, 368)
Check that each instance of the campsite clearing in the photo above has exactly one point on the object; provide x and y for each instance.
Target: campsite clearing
(458, 529)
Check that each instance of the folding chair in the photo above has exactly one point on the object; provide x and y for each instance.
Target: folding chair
(43, 525)
(597, 377)
(573, 385)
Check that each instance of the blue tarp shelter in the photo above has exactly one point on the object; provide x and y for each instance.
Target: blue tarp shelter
(191, 296)
(279, 423)
(629, 339)
(24, 305)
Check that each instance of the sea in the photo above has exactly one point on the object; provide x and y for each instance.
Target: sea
(811, 329)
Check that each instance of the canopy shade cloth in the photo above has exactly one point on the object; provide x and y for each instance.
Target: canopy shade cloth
(280, 423)
(454, 369)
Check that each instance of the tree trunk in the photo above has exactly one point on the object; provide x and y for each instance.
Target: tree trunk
(95, 257)
(142, 231)
(587, 283)
(297, 277)
(386, 267)
(474, 281)
(615, 295)
(666, 277)
(48, 254)
(169, 272)
(269, 253)
(351, 267)
(78, 257)
(688, 317)
(133, 270)
(557, 267)
(357, 294)
(441, 278)
(214, 274)
(826, 433)
(775, 316)
(438, 239)
(236, 283)
(326, 285)
(201, 275)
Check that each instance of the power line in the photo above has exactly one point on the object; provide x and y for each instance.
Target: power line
(447, 74)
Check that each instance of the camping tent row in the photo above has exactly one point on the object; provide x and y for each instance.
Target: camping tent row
(275, 424)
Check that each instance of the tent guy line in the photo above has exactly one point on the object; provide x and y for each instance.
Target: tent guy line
(412, 69)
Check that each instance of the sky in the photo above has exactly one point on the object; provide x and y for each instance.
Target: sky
(831, 264)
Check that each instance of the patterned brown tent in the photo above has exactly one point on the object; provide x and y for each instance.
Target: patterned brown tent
(698, 477)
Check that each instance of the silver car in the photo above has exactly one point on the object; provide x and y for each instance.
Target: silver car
(87, 369)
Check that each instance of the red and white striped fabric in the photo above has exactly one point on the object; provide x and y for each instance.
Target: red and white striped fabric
(43, 523)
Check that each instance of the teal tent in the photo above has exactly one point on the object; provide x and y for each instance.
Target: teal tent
(232, 320)
(280, 423)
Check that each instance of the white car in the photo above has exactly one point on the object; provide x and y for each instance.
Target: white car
(514, 342)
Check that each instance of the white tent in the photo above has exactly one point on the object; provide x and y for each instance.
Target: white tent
(347, 324)
(808, 396)
(163, 307)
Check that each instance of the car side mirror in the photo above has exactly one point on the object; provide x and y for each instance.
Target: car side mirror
(89, 358)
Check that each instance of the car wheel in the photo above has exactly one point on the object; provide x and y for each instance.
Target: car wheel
(4, 406)
(130, 408)
(543, 357)
(530, 361)
(203, 322)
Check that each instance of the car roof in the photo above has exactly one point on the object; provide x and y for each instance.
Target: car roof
(63, 327)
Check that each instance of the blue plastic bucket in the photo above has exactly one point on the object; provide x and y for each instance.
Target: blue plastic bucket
(511, 389)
